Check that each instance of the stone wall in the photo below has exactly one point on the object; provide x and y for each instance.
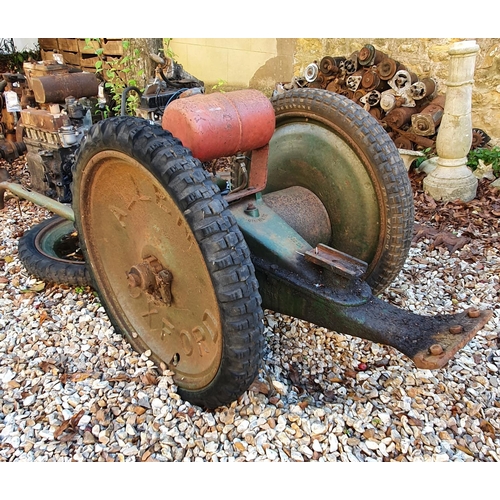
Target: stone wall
(427, 57)
(260, 63)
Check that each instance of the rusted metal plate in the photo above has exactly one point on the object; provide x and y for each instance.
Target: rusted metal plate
(41, 119)
(430, 341)
(336, 261)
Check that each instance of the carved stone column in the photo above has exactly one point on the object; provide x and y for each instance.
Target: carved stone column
(452, 179)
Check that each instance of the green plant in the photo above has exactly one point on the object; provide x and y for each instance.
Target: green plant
(167, 51)
(12, 60)
(428, 153)
(218, 87)
(489, 156)
(116, 72)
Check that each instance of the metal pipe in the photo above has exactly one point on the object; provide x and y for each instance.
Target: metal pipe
(58, 208)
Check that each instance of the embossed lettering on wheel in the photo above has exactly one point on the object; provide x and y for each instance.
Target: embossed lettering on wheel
(170, 264)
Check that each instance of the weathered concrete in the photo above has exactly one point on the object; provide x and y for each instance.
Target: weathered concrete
(452, 179)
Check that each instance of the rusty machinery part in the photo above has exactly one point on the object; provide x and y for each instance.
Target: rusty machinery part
(390, 100)
(324, 141)
(422, 88)
(399, 117)
(369, 55)
(376, 113)
(311, 72)
(359, 95)
(387, 68)
(176, 237)
(51, 252)
(334, 87)
(402, 79)
(479, 138)
(55, 88)
(427, 120)
(10, 151)
(371, 98)
(402, 142)
(331, 66)
(353, 82)
(371, 80)
(350, 65)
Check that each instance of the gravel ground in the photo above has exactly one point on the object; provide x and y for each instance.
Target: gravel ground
(72, 389)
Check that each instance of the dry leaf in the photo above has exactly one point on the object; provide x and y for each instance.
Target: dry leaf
(71, 424)
(48, 366)
(464, 449)
(79, 376)
(415, 421)
(149, 378)
(43, 317)
(259, 387)
(487, 428)
(118, 378)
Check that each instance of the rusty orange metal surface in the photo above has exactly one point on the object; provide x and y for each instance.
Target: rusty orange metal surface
(217, 125)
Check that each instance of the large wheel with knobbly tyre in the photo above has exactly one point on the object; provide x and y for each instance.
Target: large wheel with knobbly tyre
(331, 146)
(168, 259)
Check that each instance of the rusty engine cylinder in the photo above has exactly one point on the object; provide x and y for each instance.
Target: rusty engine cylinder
(55, 88)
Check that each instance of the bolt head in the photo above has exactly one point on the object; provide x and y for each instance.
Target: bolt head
(436, 349)
(473, 313)
(456, 329)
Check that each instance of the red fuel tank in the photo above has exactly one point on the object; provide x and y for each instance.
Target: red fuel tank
(221, 124)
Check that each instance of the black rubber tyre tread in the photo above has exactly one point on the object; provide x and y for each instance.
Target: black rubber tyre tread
(220, 239)
(46, 267)
(391, 174)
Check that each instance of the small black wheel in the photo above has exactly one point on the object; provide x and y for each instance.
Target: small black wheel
(168, 260)
(328, 144)
(51, 252)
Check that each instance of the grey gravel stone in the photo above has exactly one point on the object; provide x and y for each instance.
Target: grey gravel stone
(390, 412)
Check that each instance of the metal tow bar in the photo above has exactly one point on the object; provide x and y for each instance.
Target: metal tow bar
(325, 287)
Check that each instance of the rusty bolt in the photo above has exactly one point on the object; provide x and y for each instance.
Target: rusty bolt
(473, 313)
(133, 280)
(436, 349)
(455, 329)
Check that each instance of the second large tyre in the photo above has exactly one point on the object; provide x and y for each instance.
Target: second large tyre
(328, 144)
(168, 259)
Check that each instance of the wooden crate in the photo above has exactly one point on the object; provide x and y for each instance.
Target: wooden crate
(87, 61)
(88, 47)
(47, 55)
(68, 44)
(71, 58)
(112, 47)
(48, 44)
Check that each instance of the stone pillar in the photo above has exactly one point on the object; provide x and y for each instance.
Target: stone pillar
(452, 179)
